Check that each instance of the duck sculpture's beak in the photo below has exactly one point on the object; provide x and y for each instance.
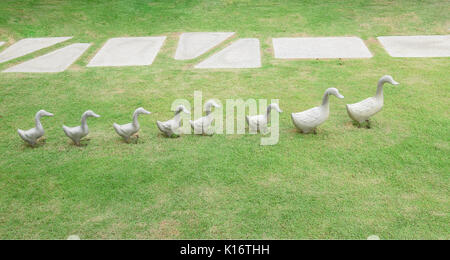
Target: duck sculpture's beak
(395, 83)
(95, 115)
(146, 112)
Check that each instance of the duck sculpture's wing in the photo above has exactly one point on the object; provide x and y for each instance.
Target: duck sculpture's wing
(164, 126)
(364, 108)
(128, 130)
(197, 124)
(309, 117)
(119, 130)
(253, 122)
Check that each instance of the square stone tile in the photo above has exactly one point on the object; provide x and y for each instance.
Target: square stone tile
(130, 51)
(417, 46)
(320, 48)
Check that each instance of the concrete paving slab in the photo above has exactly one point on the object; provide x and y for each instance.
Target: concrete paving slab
(320, 47)
(417, 46)
(29, 45)
(242, 54)
(130, 51)
(192, 45)
(56, 61)
(1, 43)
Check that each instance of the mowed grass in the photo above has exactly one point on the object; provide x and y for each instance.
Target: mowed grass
(343, 183)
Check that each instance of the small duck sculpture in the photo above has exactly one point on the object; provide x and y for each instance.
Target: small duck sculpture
(203, 125)
(170, 128)
(31, 136)
(131, 129)
(307, 121)
(259, 122)
(78, 132)
(363, 110)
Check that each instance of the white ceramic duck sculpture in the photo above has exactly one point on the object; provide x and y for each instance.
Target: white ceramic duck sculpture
(31, 136)
(128, 130)
(363, 110)
(259, 122)
(308, 120)
(170, 127)
(78, 132)
(203, 124)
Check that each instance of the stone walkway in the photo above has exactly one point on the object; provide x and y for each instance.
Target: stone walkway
(240, 54)
(417, 46)
(29, 45)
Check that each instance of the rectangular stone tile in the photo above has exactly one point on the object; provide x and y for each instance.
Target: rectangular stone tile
(320, 47)
(29, 45)
(131, 51)
(1, 43)
(417, 46)
(56, 61)
(241, 54)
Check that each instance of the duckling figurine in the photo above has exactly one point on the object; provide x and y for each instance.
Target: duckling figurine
(259, 122)
(31, 136)
(203, 125)
(128, 130)
(307, 121)
(171, 127)
(78, 132)
(363, 110)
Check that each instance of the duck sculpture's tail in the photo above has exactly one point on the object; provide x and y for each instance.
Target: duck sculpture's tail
(160, 126)
(118, 130)
(66, 130)
(22, 134)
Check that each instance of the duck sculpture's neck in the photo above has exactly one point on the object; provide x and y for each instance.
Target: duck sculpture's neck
(135, 119)
(177, 117)
(208, 109)
(37, 119)
(325, 102)
(84, 125)
(379, 94)
(269, 109)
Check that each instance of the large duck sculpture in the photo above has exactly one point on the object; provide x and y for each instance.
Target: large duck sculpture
(307, 121)
(363, 110)
(202, 125)
(259, 122)
(128, 130)
(32, 136)
(78, 132)
(170, 127)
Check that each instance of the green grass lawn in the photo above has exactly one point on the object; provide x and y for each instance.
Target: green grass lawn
(343, 183)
